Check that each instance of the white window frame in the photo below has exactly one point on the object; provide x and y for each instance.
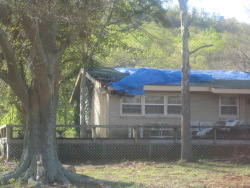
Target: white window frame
(131, 114)
(154, 104)
(167, 104)
(143, 106)
(237, 105)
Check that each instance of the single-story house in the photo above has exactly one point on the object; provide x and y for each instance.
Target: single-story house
(130, 96)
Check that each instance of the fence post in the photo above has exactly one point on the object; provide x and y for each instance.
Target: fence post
(8, 138)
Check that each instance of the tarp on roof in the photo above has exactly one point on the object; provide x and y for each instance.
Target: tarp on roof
(133, 84)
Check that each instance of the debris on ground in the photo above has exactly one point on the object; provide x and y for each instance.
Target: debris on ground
(241, 158)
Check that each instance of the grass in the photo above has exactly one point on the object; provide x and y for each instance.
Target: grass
(163, 174)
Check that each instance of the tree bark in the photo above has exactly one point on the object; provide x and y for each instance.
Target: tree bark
(83, 131)
(186, 137)
(39, 101)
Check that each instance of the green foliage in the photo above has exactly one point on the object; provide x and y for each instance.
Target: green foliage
(127, 34)
(9, 106)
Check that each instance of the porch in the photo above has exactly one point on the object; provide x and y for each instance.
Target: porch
(149, 141)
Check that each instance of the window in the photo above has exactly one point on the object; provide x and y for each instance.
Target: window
(131, 105)
(154, 104)
(174, 105)
(151, 105)
(228, 105)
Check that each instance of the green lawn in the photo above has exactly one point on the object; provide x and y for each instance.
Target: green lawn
(149, 174)
(166, 174)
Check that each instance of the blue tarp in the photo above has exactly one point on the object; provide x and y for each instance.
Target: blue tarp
(133, 84)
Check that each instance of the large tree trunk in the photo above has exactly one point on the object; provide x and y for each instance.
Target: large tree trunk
(186, 137)
(39, 139)
(39, 99)
(40, 103)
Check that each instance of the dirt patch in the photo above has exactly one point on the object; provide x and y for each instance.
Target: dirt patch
(232, 181)
(241, 158)
(137, 164)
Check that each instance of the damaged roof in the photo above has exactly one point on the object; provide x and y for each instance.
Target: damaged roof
(132, 80)
(106, 74)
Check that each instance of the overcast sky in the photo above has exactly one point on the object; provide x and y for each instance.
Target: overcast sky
(239, 9)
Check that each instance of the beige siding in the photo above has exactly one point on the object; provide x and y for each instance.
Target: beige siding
(247, 109)
(204, 107)
(96, 105)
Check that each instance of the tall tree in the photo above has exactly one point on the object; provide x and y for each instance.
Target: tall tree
(33, 38)
(43, 30)
(186, 137)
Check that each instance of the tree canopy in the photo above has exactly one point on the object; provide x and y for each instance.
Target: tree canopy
(43, 45)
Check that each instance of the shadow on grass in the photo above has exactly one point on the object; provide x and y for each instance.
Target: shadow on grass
(212, 166)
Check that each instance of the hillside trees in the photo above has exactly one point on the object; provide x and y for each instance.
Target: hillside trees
(237, 53)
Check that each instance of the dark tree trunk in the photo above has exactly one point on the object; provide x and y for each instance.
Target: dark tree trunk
(186, 137)
(40, 103)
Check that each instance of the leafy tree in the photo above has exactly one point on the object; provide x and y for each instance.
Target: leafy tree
(34, 37)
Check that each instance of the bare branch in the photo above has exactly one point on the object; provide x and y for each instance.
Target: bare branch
(31, 28)
(205, 46)
(245, 55)
(101, 32)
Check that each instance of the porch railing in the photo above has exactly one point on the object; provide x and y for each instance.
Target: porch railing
(77, 142)
(13, 133)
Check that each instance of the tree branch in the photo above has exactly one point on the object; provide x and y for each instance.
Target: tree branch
(31, 29)
(205, 46)
(4, 77)
(65, 45)
(12, 76)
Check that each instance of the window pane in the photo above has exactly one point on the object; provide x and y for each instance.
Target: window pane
(228, 100)
(174, 109)
(132, 100)
(154, 109)
(174, 99)
(228, 110)
(131, 109)
(154, 99)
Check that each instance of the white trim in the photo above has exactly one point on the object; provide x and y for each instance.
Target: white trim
(174, 88)
(230, 91)
(193, 88)
(93, 80)
(167, 104)
(237, 105)
(152, 104)
(143, 105)
(132, 114)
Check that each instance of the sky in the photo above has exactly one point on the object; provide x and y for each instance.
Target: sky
(239, 9)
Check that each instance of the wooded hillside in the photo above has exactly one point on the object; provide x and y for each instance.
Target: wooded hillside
(146, 42)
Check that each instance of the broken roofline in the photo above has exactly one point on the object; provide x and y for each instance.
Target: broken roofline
(101, 76)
